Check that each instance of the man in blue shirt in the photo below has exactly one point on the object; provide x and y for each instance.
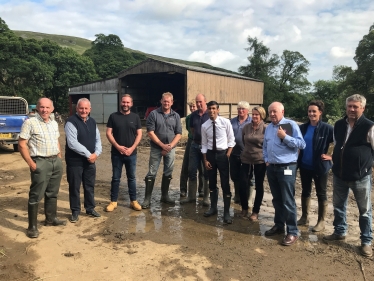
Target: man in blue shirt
(282, 142)
(83, 146)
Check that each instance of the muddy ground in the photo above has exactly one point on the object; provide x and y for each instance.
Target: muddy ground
(165, 242)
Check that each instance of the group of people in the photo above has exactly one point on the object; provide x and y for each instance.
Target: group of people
(240, 148)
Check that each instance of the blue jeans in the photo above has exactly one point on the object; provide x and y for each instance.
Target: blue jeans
(362, 192)
(196, 159)
(283, 190)
(130, 165)
(155, 159)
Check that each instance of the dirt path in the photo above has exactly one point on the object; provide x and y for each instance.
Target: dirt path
(163, 243)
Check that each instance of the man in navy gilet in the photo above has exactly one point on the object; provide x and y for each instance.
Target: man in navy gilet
(83, 146)
(352, 168)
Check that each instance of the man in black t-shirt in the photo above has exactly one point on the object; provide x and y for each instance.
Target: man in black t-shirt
(124, 132)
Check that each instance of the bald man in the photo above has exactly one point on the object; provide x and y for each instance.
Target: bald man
(198, 118)
(282, 142)
(40, 148)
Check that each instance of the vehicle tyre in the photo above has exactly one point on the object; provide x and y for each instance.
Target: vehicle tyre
(15, 147)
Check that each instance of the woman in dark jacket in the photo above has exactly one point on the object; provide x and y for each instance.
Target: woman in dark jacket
(314, 163)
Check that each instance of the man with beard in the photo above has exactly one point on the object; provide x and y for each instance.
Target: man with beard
(124, 132)
(165, 130)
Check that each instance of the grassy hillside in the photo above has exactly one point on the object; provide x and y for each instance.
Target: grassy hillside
(80, 45)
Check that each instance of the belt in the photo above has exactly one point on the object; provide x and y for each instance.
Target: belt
(282, 164)
(45, 157)
(218, 151)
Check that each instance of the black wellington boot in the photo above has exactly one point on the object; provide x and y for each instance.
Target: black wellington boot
(50, 210)
(149, 183)
(213, 203)
(32, 230)
(165, 190)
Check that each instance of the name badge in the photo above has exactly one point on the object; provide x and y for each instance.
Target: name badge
(288, 172)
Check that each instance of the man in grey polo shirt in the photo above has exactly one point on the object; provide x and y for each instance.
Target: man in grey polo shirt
(165, 130)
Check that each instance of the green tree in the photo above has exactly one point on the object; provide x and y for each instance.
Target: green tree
(31, 68)
(328, 92)
(285, 77)
(109, 56)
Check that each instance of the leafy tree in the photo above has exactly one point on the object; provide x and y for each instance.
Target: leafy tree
(109, 56)
(285, 77)
(328, 92)
(31, 68)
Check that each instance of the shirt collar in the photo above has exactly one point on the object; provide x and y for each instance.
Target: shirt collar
(37, 116)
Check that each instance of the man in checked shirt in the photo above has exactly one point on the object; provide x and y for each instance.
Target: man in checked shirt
(39, 146)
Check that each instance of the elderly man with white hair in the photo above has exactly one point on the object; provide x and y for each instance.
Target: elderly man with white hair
(83, 146)
(238, 123)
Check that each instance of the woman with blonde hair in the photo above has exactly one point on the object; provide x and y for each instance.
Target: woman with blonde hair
(253, 138)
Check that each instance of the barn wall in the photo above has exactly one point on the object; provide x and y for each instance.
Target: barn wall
(223, 89)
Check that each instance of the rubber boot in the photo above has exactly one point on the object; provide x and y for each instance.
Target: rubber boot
(165, 190)
(50, 210)
(213, 203)
(305, 204)
(32, 230)
(201, 187)
(206, 202)
(191, 196)
(322, 210)
(226, 209)
(236, 198)
(149, 183)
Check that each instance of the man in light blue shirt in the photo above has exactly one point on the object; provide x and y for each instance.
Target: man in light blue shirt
(282, 141)
(83, 146)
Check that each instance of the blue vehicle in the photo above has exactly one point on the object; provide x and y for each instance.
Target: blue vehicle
(13, 112)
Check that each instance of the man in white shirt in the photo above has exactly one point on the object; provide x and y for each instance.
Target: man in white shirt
(217, 142)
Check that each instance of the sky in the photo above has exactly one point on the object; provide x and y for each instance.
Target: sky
(325, 32)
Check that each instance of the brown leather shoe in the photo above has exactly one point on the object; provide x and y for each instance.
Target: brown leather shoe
(333, 237)
(135, 205)
(366, 250)
(274, 231)
(111, 207)
(289, 240)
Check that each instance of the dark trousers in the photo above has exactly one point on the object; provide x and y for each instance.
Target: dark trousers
(185, 165)
(259, 171)
(320, 181)
(86, 175)
(46, 179)
(219, 162)
(235, 166)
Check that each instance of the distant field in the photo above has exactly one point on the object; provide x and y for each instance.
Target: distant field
(80, 45)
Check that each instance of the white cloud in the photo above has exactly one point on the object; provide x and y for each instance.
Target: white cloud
(339, 52)
(217, 57)
(214, 31)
